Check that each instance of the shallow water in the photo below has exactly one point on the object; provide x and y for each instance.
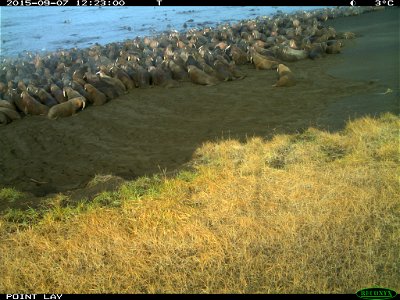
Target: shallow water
(51, 28)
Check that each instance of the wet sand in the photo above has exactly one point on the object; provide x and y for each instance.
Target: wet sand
(157, 130)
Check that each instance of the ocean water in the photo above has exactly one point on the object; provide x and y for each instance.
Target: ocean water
(42, 29)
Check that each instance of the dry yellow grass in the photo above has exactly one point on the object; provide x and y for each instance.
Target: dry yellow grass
(308, 213)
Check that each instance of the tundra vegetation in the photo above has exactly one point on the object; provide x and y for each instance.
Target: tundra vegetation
(313, 212)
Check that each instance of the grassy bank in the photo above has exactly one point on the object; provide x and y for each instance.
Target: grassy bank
(315, 212)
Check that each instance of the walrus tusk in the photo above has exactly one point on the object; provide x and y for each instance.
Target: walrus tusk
(389, 90)
(37, 181)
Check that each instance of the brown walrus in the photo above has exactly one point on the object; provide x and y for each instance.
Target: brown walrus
(21, 86)
(235, 72)
(238, 55)
(45, 98)
(13, 97)
(142, 78)
(346, 35)
(3, 87)
(70, 93)
(199, 77)
(158, 75)
(30, 106)
(10, 113)
(77, 76)
(262, 62)
(113, 81)
(57, 93)
(223, 72)
(177, 72)
(7, 104)
(79, 88)
(317, 50)
(67, 108)
(333, 47)
(123, 77)
(107, 89)
(286, 53)
(286, 77)
(94, 95)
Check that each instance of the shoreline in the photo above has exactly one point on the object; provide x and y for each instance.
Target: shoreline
(336, 12)
(148, 21)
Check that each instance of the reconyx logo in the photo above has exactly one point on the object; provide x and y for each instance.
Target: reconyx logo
(377, 293)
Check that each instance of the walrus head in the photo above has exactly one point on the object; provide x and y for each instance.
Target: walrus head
(79, 102)
(282, 70)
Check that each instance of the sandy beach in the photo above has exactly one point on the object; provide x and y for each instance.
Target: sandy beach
(157, 130)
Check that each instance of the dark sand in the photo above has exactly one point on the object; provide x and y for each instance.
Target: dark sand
(155, 130)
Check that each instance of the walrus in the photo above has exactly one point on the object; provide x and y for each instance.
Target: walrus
(70, 93)
(200, 77)
(32, 89)
(191, 61)
(107, 89)
(30, 106)
(289, 54)
(317, 50)
(235, 72)
(131, 71)
(94, 95)
(158, 75)
(286, 77)
(91, 78)
(67, 108)
(3, 87)
(112, 81)
(57, 93)
(45, 98)
(10, 113)
(223, 72)
(79, 88)
(208, 69)
(262, 62)
(21, 86)
(346, 35)
(143, 77)
(7, 104)
(13, 96)
(178, 72)
(333, 46)
(123, 76)
(262, 51)
(238, 55)
(11, 85)
(78, 76)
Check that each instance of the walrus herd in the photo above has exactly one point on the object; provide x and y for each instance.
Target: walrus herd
(61, 83)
